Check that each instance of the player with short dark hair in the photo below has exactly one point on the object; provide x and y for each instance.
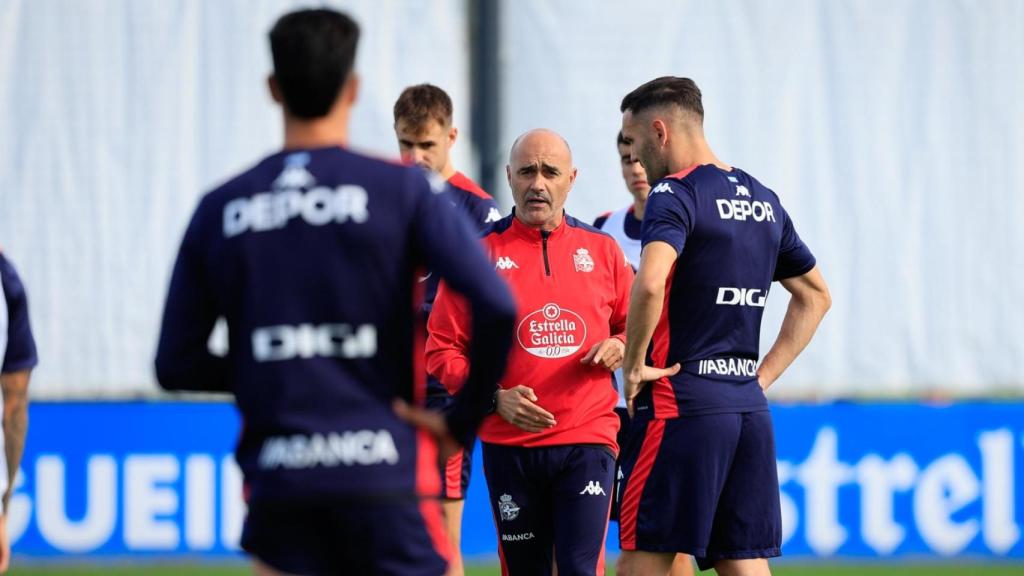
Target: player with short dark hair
(700, 470)
(17, 359)
(423, 126)
(624, 225)
(312, 258)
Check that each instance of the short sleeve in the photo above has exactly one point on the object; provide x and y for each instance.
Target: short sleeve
(668, 216)
(20, 352)
(795, 259)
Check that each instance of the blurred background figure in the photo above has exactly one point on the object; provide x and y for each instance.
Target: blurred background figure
(17, 359)
(423, 126)
(305, 257)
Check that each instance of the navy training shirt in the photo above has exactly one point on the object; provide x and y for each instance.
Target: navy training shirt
(312, 258)
(17, 346)
(733, 239)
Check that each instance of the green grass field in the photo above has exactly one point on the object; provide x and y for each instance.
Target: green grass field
(782, 569)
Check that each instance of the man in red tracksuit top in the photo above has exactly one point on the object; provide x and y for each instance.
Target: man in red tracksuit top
(549, 452)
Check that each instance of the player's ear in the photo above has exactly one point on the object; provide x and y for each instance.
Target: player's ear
(572, 177)
(350, 91)
(508, 174)
(275, 89)
(453, 135)
(661, 130)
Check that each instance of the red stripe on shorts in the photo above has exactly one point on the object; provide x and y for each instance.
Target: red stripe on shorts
(630, 506)
(453, 476)
(430, 509)
(662, 393)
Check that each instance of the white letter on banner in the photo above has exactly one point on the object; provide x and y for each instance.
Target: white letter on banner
(790, 514)
(821, 476)
(947, 485)
(19, 511)
(998, 508)
(199, 502)
(96, 527)
(232, 506)
(144, 500)
(878, 481)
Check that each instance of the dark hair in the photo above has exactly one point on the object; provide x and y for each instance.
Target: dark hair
(681, 92)
(421, 103)
(621, 140)
(313, 53)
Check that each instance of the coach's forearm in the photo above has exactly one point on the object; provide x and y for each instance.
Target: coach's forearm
(15, 425)
(803, 316)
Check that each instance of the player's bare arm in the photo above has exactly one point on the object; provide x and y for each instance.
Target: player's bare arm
(607, 353)
(518, 406)
(809, 302)
(645, 305)
(15, 424)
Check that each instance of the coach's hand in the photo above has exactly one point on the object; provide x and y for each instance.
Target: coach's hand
(636, 378)
(430, 420)
(517, 406)
(607, 353)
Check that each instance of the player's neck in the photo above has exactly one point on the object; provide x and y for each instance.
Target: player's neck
(330, 130)
(447, 172)
(696, 152)
(638, 208)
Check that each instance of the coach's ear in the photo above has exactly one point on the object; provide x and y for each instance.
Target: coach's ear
(275, 90)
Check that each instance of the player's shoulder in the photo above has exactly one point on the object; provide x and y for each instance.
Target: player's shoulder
(464, 185)
(600, 221)
(494, 231)
(9, 279)
(592, 235)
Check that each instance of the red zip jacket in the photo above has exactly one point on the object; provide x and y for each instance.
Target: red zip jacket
(572, 292)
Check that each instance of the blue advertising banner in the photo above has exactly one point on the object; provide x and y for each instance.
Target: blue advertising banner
(857, 480)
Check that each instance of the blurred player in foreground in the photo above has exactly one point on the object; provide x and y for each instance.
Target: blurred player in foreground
(312, 258)
(624, 225)
(423, 126)
(700, 471)
(549, 451)
(17, 359)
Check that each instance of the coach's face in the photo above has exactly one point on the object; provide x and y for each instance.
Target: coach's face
(644, 143)
(540, 173)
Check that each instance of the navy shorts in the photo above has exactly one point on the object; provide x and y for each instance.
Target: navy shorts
(393, 537)
(456, 468)
(550, 502)
(704, 485)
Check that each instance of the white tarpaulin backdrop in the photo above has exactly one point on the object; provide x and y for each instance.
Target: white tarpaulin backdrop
(893, 131)
(116, 115)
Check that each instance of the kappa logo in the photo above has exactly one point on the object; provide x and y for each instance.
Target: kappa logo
(663, 187)
(593, 488)
(507, 508)
(492, 216)
(741, 190)
(295, 175)
(582, 261)
(505, 263)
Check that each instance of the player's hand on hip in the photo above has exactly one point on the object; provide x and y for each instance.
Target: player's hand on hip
(607, 353)
(430, 420)
(637, 378)
(518, 407)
